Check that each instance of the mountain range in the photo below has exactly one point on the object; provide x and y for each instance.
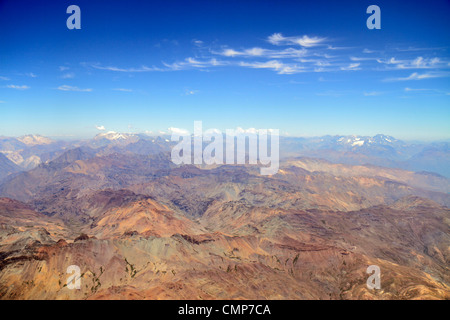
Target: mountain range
(29, 151)
(141, 227)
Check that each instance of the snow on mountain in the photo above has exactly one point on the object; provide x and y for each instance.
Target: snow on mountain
(113, 138)
(359, 141)
(112, 135)
(383, 139)
(33, 140)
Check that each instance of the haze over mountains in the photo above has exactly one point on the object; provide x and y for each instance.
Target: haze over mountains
(29, 151)
(140, 227)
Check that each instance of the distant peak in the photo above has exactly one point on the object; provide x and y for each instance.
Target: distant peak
(359, 141)
(112, 135)
(35, 139)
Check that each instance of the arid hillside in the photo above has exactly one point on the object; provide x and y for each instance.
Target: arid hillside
(141, 228)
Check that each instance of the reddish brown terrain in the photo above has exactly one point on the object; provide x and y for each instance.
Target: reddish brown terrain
(141, 228)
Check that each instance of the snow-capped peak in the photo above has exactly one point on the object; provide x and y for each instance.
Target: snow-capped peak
(35, 139)
(383, 139)
(359, 141)
(112, 135)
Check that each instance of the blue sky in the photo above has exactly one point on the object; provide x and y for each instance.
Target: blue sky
(306, 68)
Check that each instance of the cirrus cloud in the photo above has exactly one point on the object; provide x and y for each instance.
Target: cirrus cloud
(305, 41)
(418, 76)
(12, 86)
(178, 131)
(72, 88)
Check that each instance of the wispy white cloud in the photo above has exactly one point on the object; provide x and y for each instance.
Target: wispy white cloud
(323, 55)
(295, 54)
(198, 43)
(275, 65)
(362, 58)
(31, 75)
(304, 41)
(412, 49)
(231, 53)
(338, 48)
(351, 66)
(69, 75)
(181, 132)
(277, 39)
(287, 53)
(417, 76)
(420, 62)
(417, 63)
(189, 92)
(140, 69)
(426, 91)
(264, 53)
(253, 52)
(389, 61)
(190, 63)
(101, 128)
(302, 54)
(322, 63)
(63, 68)
(12, 86)
(71, 88)
(4, 78)
(123, 89)
(412, 90)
